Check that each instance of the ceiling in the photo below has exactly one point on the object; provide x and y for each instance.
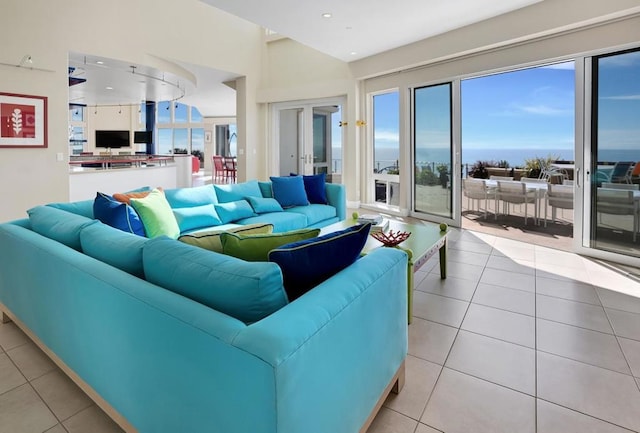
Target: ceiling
(361, 28)
(355, 29)
(110, 82)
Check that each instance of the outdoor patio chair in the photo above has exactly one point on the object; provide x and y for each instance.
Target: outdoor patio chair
(619, 174)
(476, 190)
(558, 196)
(514, 192)
(617, 202)
(568, 182)
(634, 174)
(626, 186)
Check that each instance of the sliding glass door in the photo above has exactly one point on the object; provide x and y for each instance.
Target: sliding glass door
(612, 199)
(434, 177)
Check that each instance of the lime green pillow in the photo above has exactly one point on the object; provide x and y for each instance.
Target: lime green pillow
(255, 248)
(156, 215)
(210, 239)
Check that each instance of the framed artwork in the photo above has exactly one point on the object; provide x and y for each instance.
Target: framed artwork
(207, 136)
(23, 120)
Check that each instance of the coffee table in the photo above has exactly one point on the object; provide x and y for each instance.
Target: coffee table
(425, 240)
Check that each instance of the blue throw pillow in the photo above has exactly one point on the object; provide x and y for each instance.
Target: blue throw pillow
(289, 191)
(233, 211)
(117, 214)
(264, 205)
(314, 186)
(307, 263)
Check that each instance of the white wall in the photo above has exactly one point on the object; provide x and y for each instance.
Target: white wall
(131, 30)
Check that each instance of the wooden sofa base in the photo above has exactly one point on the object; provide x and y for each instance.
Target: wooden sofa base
(395, 386)
(7, 316)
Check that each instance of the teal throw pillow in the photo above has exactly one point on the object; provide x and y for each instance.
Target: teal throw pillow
(256, 247)
(289, 191)
(191, 218)
(233, 211)
(307, 263)
(264, 205)
(237, 191)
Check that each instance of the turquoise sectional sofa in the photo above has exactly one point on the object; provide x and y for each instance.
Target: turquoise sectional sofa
(118, 312)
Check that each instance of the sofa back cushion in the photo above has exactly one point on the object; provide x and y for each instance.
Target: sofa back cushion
(190, 197)
(115, 247)
(234, 211)
(244, 290)
(237, 191)
(59, 225)
(84, 207)
(210, 239)
(191, 218)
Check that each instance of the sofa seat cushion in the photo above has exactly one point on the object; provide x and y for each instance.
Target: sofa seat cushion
(191, 197)
(191, 218)
(256, 247)
(244, 290)
(59, 225)
(314, 212)
(237, 191)
(117, 214)
(115, 247)
(282, 221)
(307, 263)
(210, 239)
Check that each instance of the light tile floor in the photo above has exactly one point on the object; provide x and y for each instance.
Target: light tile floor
(518, 338)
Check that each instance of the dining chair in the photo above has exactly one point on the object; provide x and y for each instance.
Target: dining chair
(558, 197)
(230, 168)
(615, 201)
(515, 192)
(476, 190)
(218, 168)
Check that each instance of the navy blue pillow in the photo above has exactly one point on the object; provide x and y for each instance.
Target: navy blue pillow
(307, 263)
(117, 214)
(314, 186)
(289, 191)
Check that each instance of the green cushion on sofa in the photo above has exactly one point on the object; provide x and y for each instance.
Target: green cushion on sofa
(156, 215)
(255, 248)
(210, 239)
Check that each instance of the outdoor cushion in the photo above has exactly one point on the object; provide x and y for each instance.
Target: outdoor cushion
(156, 215)
(237, 191)
(256, 247)
(117, 214)
(210, 239)
(235, 210)
(307, 263)
(289, 191)
(190, 218)
(246, 291)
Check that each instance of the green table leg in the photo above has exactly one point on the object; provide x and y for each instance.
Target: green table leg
(443, 261)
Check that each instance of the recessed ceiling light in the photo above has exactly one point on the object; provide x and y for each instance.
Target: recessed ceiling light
(326, 15)
(109, 88)
(100, 62)
(353, 53)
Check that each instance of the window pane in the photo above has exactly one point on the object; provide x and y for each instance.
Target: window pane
(76, 113)
(180, 113)
(197, 143)
(181, 140)
(165, 141)
(432, 141)
(233, 139)
(164, 112)
(386, 136)
(142, 114)
(196, 117)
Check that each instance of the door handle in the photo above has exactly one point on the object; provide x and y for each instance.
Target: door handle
(578, 178)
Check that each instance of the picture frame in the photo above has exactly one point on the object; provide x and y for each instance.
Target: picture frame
(23, 121)
(207, 136)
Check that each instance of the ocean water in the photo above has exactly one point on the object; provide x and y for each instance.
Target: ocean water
(515, 157)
